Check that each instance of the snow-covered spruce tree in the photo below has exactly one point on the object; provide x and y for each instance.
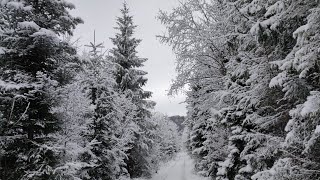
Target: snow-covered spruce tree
(130, 80)
(31, 54)
(104, 153)
(75, 112)
(258, 114)
(266, 110)
(299, 79)
(83, 155)
(208, 138)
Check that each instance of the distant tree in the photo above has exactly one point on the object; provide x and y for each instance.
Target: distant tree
(178, 120)
(167, 143)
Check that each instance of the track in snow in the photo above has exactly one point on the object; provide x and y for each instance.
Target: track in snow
(181, 168)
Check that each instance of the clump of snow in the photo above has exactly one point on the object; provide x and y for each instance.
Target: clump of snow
(28, 25)
(222, 170)
(234, 151)
(247, 169)
(255, 29)
(300, 33)
(68, 4)
(16, 5)
(317, 130)
(236, 130)
(289, 125)
(11, 86)
(65, 18)
(198, 16)
(2, 50)
(253, 7)
(279, 80)
(289, 138)
(3, 2)
(278, 7)
(215, 112)
(310, 107)
(312, 104)
(44, 32)
(272, 23)
(92, 107)
(304, 60)
(285, 64)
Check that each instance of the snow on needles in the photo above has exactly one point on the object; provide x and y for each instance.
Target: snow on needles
(11, 86)
(312, 104)
(16, 5)
(28, 25)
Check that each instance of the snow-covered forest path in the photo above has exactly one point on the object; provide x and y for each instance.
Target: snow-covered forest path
(180, 168)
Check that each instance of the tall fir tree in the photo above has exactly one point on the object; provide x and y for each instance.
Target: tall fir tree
(130, 80)
(31, 54)
(105, 154)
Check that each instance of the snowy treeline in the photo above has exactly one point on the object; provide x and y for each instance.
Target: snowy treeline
(253, 71)
(69, 116)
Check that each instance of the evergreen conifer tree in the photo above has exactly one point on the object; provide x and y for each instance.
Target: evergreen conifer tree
(103, 153)
(130, 80)
(31, 52)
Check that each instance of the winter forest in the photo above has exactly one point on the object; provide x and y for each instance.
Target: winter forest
(250, 71)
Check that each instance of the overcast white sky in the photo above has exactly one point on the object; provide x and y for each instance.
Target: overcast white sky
(100, 15)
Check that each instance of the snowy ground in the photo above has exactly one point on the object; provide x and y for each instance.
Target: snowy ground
(181, 168)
